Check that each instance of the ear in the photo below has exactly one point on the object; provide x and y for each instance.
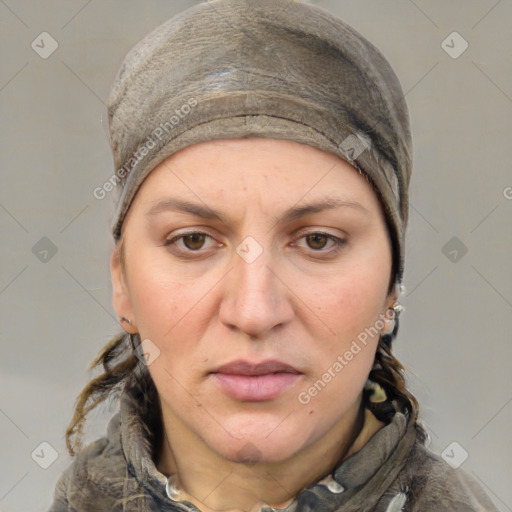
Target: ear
(392, 297)
(120, 296)
(389, 322)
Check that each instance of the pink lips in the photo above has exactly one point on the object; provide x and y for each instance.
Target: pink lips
(249, 382)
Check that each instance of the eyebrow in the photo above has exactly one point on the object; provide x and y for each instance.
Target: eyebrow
(293, 213)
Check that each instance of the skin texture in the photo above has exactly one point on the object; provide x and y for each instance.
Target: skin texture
(303, 301)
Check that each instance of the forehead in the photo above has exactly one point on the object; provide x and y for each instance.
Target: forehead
(256, 169)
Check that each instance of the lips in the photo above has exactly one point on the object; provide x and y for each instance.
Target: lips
(255, 382)
(246, 368)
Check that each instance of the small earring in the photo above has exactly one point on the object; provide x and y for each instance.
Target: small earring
(124, 319)
(397, 309)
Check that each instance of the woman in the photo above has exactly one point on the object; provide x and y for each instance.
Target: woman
(263, 155)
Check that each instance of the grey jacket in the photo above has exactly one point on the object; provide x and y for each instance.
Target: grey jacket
(393, 472)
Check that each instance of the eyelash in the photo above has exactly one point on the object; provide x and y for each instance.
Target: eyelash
(338, 242)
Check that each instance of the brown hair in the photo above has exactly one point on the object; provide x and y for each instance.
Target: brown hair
(121, 367)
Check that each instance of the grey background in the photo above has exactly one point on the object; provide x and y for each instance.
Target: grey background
(55, 309)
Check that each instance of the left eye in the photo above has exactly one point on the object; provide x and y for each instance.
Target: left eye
(317, 240)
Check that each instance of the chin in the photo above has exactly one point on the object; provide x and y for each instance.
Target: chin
(258, 448)
(251, 454)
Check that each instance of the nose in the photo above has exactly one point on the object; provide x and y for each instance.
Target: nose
(256, 298)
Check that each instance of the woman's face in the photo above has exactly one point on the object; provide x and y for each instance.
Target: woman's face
(249, 251)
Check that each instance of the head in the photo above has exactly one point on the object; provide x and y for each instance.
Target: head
(310, 284)
(244, 138)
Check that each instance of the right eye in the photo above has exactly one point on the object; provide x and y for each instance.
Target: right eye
(191, 242)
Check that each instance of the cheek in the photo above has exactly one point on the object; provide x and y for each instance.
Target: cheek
(342, 361)
(155, 305)
(171, 309)
(346, 304)
(153, 293)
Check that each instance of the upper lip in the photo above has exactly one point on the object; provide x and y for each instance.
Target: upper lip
(241, 367)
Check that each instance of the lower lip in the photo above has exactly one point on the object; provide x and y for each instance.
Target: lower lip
(255, 388)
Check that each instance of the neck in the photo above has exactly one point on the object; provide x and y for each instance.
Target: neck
(211, 482)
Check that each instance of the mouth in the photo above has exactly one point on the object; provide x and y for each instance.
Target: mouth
(247, 368)
(255, 382)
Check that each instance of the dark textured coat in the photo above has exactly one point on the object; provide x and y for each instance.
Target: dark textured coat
(393, 472)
